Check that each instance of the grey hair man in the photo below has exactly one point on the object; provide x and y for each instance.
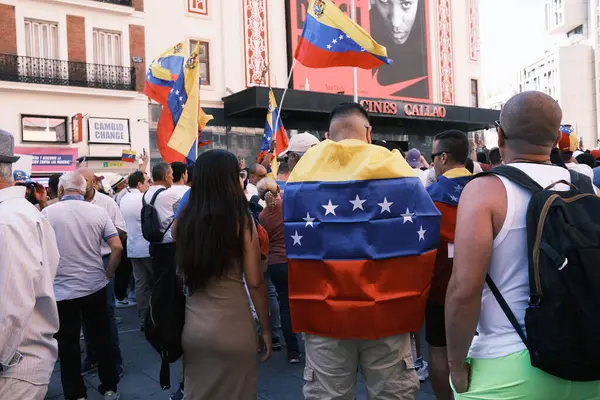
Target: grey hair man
(28, 312)
(81, 284)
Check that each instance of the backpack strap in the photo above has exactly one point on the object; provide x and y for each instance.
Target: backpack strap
(582, 182)
(505, 308)
(254, 199)
(514, 175)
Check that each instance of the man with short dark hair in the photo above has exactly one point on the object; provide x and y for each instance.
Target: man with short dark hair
(138, 248)
(449, 155)
(495, 157)
(346, 199)
(180, 179)
(491, 238)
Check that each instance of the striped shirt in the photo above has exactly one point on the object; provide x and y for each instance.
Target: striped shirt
(28, 313)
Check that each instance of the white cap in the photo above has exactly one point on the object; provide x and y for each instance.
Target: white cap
(577, 153)
(300, 143)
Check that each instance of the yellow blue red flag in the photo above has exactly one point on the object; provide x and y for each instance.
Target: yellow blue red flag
(163, 72)
(184, 103)
(361, 237)
(331, 39)
(128, 156)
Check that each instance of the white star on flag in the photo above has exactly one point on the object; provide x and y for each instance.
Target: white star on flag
(454, 199)
(357, 203)
(341, 37)
(180, 98)
(334, 41)
(458, 188)
(421, 233)
(309, 221)
(329, 208)
(385, 206)
(407, 216)
(297, 239)
(328, 46)
(177, 92)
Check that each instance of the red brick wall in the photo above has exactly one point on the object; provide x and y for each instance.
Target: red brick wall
(76, 38)
(8, 29)
(138, 5)
(137, 48)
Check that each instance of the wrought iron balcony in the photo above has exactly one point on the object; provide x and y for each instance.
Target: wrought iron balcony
(65, 73)
(120, 2)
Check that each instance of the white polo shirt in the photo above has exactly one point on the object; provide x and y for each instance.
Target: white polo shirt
(111, 207)
(131, 209)
(81, 228)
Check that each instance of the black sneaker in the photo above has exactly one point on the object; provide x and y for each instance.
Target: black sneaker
(276, 344)
(294, 357)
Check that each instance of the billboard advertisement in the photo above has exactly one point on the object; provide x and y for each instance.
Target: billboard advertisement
(402, 26)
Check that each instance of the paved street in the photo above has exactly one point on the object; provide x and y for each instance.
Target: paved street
(278, 380)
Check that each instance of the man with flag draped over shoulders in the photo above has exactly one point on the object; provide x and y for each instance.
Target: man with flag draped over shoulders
(449, 153)
(361, 238)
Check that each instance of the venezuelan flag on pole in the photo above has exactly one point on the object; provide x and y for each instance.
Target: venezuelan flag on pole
(445, 193)
(331, 39)
(128, 156)
(163, 72)
(361, 238)
(273, 129)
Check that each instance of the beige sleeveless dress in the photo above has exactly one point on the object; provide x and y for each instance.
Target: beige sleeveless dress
(220, 342)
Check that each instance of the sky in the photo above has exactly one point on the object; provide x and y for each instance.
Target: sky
(512, 36)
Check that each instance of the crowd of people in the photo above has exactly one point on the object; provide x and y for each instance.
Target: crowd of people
(243, 247)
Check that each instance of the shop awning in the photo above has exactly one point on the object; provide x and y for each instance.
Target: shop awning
(305, 110)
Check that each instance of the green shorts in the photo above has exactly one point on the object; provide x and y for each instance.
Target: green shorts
(514, 378)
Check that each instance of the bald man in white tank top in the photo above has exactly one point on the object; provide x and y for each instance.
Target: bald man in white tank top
(491, 237)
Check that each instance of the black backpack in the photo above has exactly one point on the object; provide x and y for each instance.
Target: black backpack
(165, 319)
(151, 226)
(255, 207)
(563, 241)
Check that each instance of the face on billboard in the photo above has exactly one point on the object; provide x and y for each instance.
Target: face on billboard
(399, 16)
(399, 25)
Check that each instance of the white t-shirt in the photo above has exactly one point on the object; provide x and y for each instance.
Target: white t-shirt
(166, 205)
(509, 267)
(178, 191)
(131, 209)
(111, 207)
(251, 189)
(422, 175)
(582, 169)
(81, 228)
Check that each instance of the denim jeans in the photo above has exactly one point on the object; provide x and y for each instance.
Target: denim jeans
(90, 353)
(279, 276)
(273, 306)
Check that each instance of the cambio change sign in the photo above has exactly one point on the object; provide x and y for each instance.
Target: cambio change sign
(109, 130)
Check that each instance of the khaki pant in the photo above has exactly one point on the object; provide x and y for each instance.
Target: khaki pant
(144, 283)
(11, 388)
(386, 364)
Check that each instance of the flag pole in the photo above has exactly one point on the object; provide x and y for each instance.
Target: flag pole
(354, 70)
(289, 78)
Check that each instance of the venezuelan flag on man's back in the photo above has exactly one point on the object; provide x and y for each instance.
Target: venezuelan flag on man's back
(361, 238)
(331, 39)
(445, 193)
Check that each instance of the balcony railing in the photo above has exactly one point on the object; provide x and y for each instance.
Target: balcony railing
(65, 73)
(119, 2)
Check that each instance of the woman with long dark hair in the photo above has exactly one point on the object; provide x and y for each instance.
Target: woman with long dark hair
(217, 246)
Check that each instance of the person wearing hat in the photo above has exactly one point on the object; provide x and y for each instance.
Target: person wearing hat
(119, 188)
(28, 312)
(299, 144)
(568, 144)
(35, 192)
(416, 161)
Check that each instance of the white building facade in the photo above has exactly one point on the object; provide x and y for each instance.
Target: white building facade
(72, 71)
(71, 75)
